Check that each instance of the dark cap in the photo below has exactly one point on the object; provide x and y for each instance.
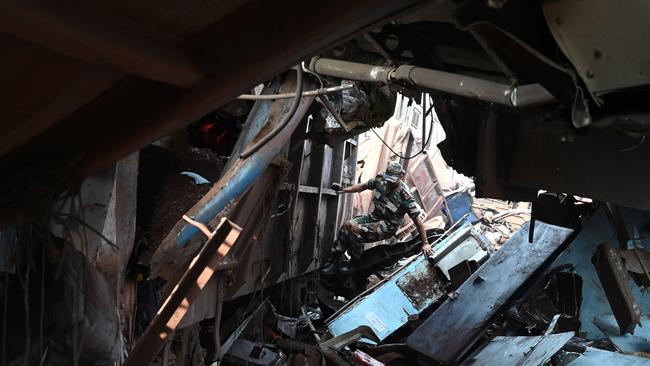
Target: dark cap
(393, 171)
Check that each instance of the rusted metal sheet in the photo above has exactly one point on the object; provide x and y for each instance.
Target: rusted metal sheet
(485, 292)
(200, 271)
(613, 277)
(119, 227)
(520, 351)
(419, 287)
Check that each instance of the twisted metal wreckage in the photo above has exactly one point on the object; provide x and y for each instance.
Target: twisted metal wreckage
(116, 248)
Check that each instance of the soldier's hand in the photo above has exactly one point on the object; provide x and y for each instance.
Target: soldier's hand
(355, 230)
(427, 250)
(336, 186)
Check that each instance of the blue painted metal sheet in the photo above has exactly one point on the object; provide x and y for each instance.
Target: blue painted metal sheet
(387, 308)
(637, 342)
(408, 291)
(256, 119)
(447, 333)
(520, 351)
(184, 240)
(460, 204)
(599, 357)
(597, 231)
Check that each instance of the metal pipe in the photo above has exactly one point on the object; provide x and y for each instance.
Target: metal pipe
(350, 70)
(310, 93)
(285, 118)
(454, 84)
(184, 240)
(490, 91)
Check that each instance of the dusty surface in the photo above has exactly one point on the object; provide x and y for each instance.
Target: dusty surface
(164, 195)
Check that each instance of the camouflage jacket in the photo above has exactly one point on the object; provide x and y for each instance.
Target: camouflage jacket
(389, 205)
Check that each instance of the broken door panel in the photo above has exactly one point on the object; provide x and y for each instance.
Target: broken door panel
(520, 351)
(485, 292)
(613, 278)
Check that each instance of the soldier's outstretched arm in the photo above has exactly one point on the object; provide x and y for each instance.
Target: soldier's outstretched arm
(426, 247)
(351, 189)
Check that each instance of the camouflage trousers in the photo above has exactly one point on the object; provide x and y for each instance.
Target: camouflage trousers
(358, 231)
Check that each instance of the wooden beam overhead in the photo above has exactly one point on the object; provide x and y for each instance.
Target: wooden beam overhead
(97, 40)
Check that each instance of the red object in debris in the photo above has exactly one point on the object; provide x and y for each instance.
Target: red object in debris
(364, 359)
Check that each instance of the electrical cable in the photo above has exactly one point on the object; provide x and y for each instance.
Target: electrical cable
(424, 145)
(309, 93)
(285, 120)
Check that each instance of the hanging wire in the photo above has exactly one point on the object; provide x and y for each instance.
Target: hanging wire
(425, 143)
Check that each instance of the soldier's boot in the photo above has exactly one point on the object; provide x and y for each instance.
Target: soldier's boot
(335, 265)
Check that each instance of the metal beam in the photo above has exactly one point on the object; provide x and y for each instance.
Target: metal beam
(467, 86)
(188, 288)
(615, 281)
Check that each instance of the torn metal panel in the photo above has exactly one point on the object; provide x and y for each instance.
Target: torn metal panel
(637, 342)
(595, 356)
(171, 313)
(473, 248)
(592, 38)
(613, 277)
(520, 351)
(558, 293)
(637, 261)
(183, 241)
(596, 231)
(485, 292)
(408, 292)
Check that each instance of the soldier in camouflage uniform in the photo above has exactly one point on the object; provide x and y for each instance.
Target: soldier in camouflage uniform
(391, 199)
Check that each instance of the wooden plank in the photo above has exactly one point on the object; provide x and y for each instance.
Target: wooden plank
(485, 293)
(188, 288)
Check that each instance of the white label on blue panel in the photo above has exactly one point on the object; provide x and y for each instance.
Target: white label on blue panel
(375, 322)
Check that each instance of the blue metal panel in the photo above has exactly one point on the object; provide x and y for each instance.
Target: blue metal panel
(256, 119)
(639, 342)
(520, 351)
(387, 308)
(460, 204)
(408, 291)
(599, 357)
(597, 231)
